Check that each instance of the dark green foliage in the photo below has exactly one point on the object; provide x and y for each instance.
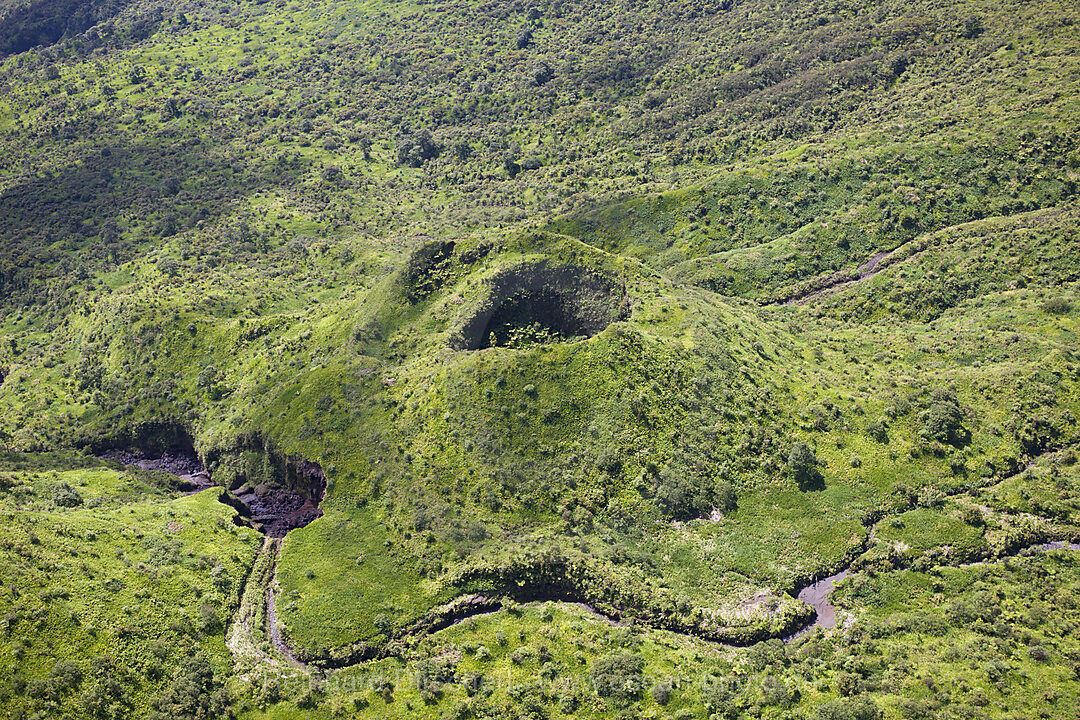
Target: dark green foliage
(862, 708)
(1039, 653)
(417, 147)
(943, 420)
(661, 691)
(973, 516)
(618, 676)
(66, 496)
(685, 496)
(64, 679)
(719, 697)
(982, 606)
(972, 27)
(878, 430)
(803, 465)
(106, 690)
(775, 692)
(765, 655)
(193, 694)
(541, 73)
(1057, 306)
(431, 676)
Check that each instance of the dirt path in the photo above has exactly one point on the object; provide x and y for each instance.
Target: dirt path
(839, 280)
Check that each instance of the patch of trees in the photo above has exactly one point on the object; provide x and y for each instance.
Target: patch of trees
(683, 496)
(943, 420)
(860, 708)
(194, 694)
(106, 693)
(416, 147)
(45, 22)
(49, 692)
(804, 465)
(1057, 306)
(66, 496)
(618, 676)
(431, 676)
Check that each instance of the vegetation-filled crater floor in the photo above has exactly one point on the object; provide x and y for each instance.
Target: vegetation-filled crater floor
(565, 359)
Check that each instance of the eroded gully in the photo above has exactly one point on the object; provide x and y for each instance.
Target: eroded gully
(258, 606)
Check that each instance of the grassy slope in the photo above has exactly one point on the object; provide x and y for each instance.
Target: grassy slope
(235, 269)
(133, 579)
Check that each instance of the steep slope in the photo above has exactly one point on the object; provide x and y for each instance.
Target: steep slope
(667, 308)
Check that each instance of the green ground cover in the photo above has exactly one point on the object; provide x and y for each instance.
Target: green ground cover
(668, 308)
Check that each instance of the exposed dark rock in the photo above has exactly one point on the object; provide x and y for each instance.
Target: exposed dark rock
(185, 466)
(277, 511)
(289, 500)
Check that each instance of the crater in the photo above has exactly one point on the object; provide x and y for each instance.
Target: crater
(427, 269)
(539, 303)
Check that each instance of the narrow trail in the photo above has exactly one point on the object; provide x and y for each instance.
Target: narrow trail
(814, 288)
(839, 280)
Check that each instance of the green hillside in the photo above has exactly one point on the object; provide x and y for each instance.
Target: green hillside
(596, 332)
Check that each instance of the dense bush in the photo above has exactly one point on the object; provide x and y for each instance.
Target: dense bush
(1057, 306)
(417, 147)
(618, 676)
(66, 496)
(862, 708)
(687, 496)
(878, 430)
(193, 694)
(803, 465)
(943, 420)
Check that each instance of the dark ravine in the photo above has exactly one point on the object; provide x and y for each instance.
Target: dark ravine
(184, 465)
(816, 594)
(271, 508)
(472, 605)
(276, 510)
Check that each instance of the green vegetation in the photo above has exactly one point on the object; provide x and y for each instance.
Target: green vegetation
(592, 314)
(113, 605)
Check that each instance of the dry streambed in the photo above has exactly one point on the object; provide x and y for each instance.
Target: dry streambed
(255, 635)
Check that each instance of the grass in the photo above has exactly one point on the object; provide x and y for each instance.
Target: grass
(135, 577)
(207, 226)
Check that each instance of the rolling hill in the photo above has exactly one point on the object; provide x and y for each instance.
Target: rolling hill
(527, 360)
